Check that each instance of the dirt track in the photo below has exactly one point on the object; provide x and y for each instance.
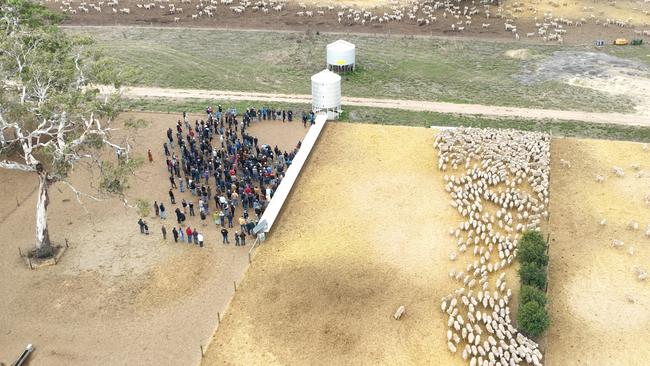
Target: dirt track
(413, 105)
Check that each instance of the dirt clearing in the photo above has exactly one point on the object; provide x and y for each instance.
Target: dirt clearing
(597, 71)
(600, 312)
(116, 297)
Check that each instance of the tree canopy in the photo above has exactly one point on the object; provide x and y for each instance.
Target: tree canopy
(52, 115)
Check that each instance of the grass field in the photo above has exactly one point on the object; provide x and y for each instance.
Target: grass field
(388, 116)
(468, 71)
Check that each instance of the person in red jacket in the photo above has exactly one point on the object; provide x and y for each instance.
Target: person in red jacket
(188, 231)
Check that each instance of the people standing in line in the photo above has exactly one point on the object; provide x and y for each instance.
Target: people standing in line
(181, 234)
(175, 234)
(171, 196)
(195, 236)
(191, 205)
(237, 238)
(224, 234)
(222, 216)
(146, 228)
(229, 217)
(243, 238)
(155, 208)
(172, 181)
(164, 232)
(202, 214)
(242, 223)
(188, 232)
(141, 224)
(163, 212)
(200, 238)
(150, 156)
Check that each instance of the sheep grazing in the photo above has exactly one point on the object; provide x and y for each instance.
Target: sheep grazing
(603, 222)
(641, 273)
(565, 163)
(618, 171)
(633, 225)
(399, 312)
(599, 178)
(617, 243)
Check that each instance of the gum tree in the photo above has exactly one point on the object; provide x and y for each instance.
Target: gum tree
(51, 119)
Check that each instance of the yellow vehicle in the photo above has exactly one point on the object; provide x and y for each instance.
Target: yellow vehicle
(621, 42)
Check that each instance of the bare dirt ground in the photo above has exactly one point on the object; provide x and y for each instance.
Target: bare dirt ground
(287, 19)
(345, 254)
(116, 297)
(442, 107)
(600, 312)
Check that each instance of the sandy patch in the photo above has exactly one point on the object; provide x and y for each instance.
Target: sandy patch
(520, 54)
(637, 87)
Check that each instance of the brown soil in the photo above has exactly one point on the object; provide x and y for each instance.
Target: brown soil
(363, 233)
(116, 296)
(287, 20)
(600, 312)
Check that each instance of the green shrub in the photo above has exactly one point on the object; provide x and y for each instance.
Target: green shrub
(532, 248)
(530, 293)
(532, 274)
(532, 319)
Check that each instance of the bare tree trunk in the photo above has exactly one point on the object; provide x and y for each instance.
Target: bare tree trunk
(43, 245)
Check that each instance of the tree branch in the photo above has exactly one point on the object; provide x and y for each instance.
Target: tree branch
(78, 194)
(6, 164)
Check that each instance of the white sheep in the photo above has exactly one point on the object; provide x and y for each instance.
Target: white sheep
(399, 312)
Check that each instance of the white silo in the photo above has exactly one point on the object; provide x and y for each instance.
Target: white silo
(341, 56)
(326, 93)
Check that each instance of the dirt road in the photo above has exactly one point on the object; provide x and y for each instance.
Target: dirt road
(412, 105)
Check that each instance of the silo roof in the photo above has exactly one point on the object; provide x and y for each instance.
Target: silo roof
(341, 45)
(326, 76)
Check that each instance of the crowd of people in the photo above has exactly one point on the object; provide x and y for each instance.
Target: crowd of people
(220, 171)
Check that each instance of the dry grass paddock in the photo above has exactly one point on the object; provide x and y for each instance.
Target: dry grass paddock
(600, 312)
(364, 232)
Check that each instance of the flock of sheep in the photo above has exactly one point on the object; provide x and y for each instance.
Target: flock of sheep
(499, 182)
(463, 15)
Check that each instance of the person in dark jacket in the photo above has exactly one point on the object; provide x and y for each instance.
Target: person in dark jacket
(175, 233)
(171, 196)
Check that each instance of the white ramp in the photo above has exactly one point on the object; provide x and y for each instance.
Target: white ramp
(280, 195)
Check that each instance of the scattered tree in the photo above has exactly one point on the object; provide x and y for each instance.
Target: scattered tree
(532, 248)
(530, 293)
(144, 208)
(532, 319)
(51, 118)
(532, 274)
